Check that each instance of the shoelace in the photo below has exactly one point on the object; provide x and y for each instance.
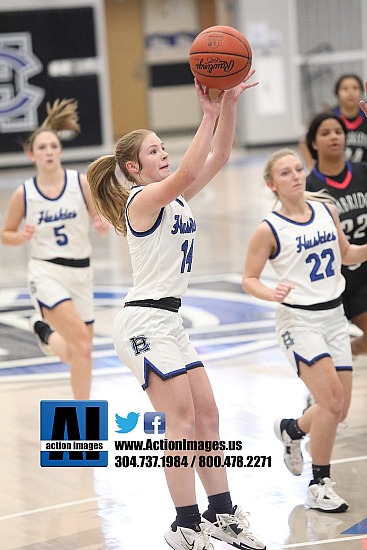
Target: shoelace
(326, 489)
(239, 519)
(206, 533)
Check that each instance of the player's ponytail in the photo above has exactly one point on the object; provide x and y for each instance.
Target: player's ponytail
(62, 116)
(108, 195)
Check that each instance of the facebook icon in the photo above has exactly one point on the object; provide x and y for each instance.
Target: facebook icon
(154, 423)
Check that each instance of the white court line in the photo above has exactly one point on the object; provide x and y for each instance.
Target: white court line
(49, 508)
(238, 350)
(215, 355)
(45, 360)
(233, 326)
(317, 542)
(237, 339)
(48, 376)
(94, 499)
(33, 361)
(346, 460)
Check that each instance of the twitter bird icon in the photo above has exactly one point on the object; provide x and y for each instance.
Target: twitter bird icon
(127, 424)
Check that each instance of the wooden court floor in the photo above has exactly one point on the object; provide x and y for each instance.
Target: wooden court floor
(110, 508)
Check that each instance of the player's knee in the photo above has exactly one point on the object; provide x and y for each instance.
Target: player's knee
(334, 405)
(82, 344)
(344, 411)
(182, 424)
(343, 414)
(207, 421)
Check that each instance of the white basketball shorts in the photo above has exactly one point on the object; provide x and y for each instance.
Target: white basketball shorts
(50, 284)
(150, 339)
(307, 336)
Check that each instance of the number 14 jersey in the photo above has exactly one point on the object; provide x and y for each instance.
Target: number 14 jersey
(162, 256)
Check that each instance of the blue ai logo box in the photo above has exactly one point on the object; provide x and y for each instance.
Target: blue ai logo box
(74, 433)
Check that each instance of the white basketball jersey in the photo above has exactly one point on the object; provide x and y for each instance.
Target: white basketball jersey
(61, 224)
(308, 255)
(162, 257)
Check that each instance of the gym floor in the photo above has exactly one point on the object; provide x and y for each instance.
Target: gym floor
(79, 508)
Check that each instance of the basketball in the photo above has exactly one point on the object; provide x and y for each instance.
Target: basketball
(220, 57)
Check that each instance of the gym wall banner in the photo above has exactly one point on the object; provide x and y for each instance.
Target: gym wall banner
(51, 50)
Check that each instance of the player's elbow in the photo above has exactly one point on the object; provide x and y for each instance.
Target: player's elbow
(245, 284)
(351, 254)
(250, 282)
(188, 175)
(3, 239)
(220, 159)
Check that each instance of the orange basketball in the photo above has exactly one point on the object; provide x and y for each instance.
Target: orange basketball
(220, 57)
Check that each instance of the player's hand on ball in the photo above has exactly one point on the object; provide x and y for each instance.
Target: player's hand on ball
(208, 104)
(234, 93)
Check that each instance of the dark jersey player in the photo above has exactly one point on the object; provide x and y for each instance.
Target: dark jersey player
(346, 182)
(348, 90)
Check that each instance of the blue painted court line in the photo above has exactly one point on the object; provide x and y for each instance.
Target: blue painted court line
(359, 528)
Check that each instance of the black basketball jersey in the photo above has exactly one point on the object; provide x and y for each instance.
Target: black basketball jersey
(349, 192)
(356, 138)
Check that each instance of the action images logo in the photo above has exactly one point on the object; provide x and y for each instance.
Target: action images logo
(74, 433)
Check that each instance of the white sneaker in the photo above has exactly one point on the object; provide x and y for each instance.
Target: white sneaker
(321, 496)
(188, 539)
(234, 529)
(45, 348)
(292, 450)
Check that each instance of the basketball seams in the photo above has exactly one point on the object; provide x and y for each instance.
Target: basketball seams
(242, 56)
(220, 57)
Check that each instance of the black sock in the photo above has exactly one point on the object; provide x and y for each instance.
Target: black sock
(43, 330)
(319, 472)
(187, 516)
(218, 504)
(290, 425)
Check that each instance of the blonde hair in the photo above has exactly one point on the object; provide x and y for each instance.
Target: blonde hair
(61, 115)
(320, 196)
(109, 196)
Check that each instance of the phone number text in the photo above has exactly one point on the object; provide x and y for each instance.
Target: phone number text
(183, 461)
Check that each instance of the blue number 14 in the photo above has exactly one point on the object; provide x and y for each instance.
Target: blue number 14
(187, 255)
